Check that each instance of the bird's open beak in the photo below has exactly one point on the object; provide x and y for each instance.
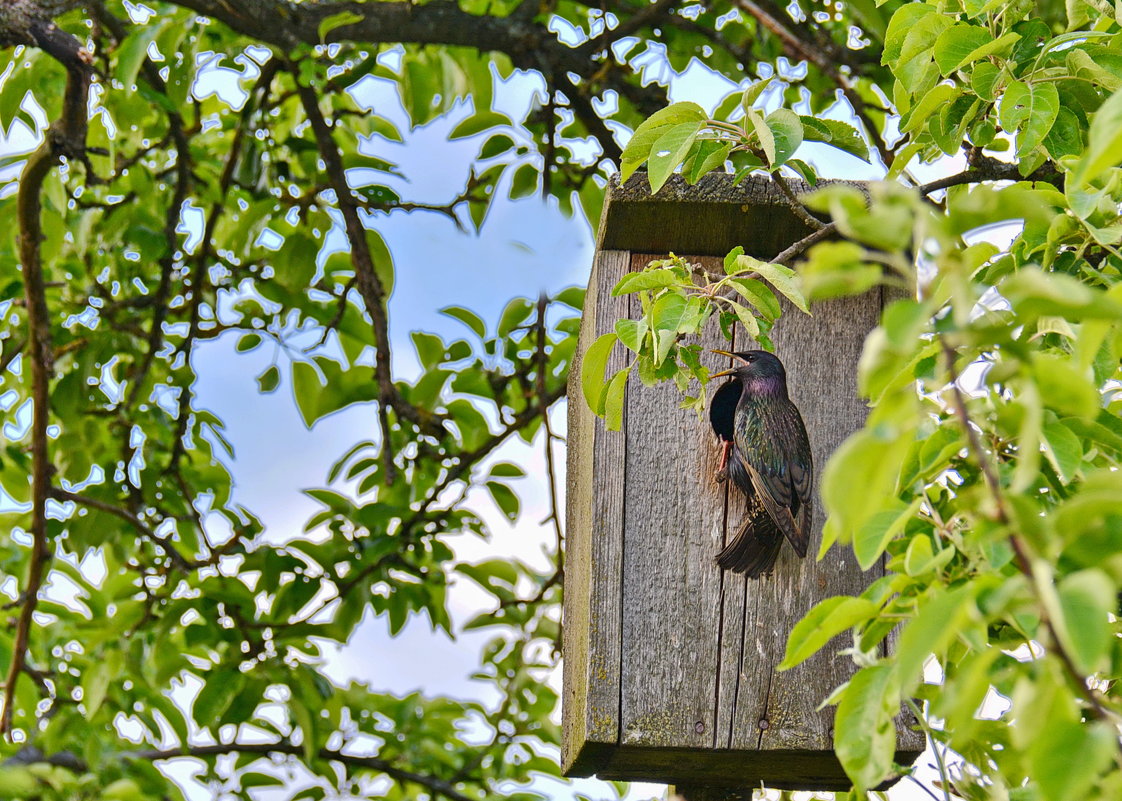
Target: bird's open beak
(730, 354)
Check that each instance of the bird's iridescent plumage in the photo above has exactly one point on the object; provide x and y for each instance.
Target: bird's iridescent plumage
(769, 460)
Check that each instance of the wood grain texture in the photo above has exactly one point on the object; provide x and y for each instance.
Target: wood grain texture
(688, 692)
(594, 509)
(673, 523)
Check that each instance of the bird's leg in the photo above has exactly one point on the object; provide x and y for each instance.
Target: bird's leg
(722, 469)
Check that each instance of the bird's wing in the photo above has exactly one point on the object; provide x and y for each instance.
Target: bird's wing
(775, 446)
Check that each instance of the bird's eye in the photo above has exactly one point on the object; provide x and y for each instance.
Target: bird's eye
(751, 357)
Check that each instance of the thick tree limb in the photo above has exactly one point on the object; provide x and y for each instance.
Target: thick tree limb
(65, 137)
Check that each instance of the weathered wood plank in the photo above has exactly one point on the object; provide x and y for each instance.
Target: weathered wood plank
(820, 353)
(674, 678)
(594, 508)
(673, 523)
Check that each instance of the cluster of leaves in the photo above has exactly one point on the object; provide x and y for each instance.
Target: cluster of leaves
(996, 504)
(989, 466)
(173, 625)
(683, 135)
(675, 306)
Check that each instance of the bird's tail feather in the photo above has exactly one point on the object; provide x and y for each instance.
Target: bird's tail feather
(755, 548)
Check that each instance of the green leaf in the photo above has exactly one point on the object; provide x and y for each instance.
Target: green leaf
(1063, 449)
(429, 347)
(1065, 386)
(248, 342)
(1087, 599)
(133, 52)
(669, 151)
(673, 313)
(1031, 110)
(1034, 293)
(335, 21)
(632, 333)
(468, 318)
(1068, 758)
(525, 182)
(787, 133)
(222, 686)
(306, 387)
(940, 620)
(614, 395)
(753, 92)
(269, 380)
(383, 260)
(706, 156)
(957, 45)
(864, 734)
(759, 295)
(839, 134)
(478, 123)
(920, 559)
(1104, 145)
(747, 319)
(763, 133)
(639, 147)
(507, 470)
(516, 313)
(505, 499)
(877, 531)
(869, 459)
(97, 678)
(780, 277)
(983, 80)
(823, 622)
(593, 364)
(645, 279)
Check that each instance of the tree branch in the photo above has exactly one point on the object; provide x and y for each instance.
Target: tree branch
(369, 284)
(65, 137)
(435, 785)
(146, 531)
(1024, 562)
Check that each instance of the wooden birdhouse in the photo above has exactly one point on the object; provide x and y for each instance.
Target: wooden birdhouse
(669, 661)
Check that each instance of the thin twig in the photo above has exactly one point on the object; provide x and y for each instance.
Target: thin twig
(795, 204)
(146, 531)
(798, 248)
(435, 785)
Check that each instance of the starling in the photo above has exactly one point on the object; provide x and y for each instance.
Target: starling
(766, 454)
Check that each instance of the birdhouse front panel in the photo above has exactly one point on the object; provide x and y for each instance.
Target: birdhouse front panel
(669, 660)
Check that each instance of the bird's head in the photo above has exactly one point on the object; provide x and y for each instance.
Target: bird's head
(758, 369)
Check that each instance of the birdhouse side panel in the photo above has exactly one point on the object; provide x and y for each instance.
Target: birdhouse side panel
(594, 509)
